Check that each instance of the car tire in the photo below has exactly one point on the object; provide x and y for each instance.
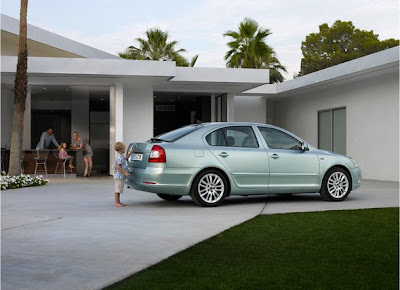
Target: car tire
(336, 185)
(169, 197)
(209, 188)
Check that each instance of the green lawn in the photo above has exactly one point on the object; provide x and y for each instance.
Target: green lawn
(356, 249)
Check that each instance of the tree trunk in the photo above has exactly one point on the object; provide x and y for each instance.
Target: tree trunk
(21, 85)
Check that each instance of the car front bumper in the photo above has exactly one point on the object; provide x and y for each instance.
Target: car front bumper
(356, 175)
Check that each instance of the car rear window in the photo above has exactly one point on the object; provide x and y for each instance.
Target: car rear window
(178, 133)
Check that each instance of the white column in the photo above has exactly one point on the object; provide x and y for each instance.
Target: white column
(230, 107)
(119, 112)
(139, 114)
(116, 120)
(80, 111)
(213, 117)
(27, 120)
(269, 111)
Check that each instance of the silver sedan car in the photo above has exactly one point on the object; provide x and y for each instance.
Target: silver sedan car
(211, 161)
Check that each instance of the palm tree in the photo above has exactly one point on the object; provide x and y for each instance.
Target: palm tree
(157, 47)
(20, 91)
(248, 49)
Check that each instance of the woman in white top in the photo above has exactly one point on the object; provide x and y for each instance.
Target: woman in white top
(78, 144)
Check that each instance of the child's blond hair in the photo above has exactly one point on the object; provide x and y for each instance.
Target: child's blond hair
(61, 146)
(119, 145)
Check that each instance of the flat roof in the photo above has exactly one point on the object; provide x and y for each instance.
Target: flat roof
(163, 76)
(361, 67)
(216, 80)
(54, 41)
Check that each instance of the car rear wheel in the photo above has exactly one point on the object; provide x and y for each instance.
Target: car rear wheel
(209, 188)
(169, 197)
(336, 185)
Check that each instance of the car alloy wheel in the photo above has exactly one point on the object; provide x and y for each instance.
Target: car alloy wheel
(336, 185)
(209, 188)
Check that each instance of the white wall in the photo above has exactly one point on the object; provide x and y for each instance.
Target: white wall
(7, 115)
(7, 109)
(372, 113)
(138, 114)
(131, 116)
(250, 109)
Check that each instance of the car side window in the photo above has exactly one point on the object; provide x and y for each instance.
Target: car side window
(216, 138)
(238, 136)
(277, 139)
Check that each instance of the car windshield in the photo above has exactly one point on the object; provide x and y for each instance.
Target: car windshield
(176, 134)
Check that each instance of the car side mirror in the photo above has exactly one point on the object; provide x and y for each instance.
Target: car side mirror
(304, 147)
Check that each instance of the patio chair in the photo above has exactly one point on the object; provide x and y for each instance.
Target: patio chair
(41, 160)
(61, 163)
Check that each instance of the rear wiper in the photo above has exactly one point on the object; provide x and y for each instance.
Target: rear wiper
(158, 139)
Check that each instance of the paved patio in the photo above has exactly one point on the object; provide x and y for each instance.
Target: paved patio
(68, 234)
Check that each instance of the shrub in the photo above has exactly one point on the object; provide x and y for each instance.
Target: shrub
(11, 182)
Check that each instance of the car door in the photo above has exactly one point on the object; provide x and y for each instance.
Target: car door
(291, 168)
(239, 152)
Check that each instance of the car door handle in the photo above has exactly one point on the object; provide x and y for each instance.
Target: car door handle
(275, 156)
(223, 154)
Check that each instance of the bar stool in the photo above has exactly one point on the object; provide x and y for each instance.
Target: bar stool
(41, 159)
(22, 163)
(3, 151)
(60, 162)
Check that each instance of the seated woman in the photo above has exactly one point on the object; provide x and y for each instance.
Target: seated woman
(62, 153)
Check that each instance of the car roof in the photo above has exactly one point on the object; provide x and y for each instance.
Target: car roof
(234, 123)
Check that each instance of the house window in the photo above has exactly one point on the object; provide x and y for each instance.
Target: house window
(332, 130)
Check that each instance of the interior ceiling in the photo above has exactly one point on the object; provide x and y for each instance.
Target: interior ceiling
(204, 87)
(175, 97)
(98, 93)
(95, 93)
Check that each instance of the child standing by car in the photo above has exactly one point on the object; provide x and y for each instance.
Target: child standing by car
(120, 171)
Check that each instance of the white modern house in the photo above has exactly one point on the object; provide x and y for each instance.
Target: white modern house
(352, 108)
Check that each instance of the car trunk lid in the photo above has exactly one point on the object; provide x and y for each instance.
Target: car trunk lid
(139, 158)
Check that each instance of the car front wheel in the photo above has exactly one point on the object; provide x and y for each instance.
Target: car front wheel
(169, 197)
(209, 188)
(336, 185)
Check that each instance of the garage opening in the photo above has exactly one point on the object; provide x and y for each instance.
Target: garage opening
(85, 109)
(175, 110)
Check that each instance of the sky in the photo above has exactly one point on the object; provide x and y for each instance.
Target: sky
(198, 25)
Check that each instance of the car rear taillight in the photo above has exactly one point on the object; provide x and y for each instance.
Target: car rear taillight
(157, 154)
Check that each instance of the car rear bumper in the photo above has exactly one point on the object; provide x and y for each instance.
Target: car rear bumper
(161, 180)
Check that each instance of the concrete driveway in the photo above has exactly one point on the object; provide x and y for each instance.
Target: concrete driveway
(68, 234)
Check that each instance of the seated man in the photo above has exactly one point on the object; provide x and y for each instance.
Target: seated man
(46, 139)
